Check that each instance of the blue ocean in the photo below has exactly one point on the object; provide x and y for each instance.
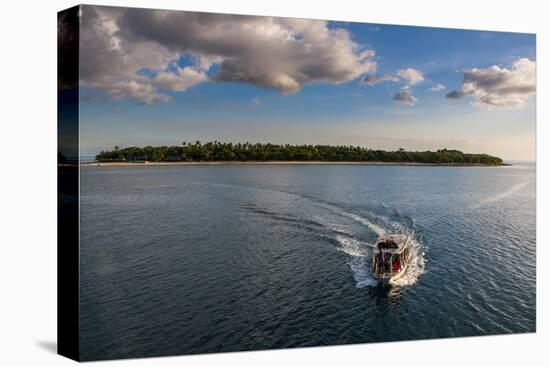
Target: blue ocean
(202, 259)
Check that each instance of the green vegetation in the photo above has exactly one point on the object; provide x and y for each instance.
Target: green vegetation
(217, 151)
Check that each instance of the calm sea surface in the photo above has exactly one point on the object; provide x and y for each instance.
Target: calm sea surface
(181, 260)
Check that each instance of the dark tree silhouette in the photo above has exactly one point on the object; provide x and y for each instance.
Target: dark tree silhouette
(218, 151)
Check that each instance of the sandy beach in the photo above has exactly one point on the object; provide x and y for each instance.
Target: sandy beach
(217, 163)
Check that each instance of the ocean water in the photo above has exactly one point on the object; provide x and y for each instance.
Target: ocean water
(202, 259)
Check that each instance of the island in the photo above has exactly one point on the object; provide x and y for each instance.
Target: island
(265, 153)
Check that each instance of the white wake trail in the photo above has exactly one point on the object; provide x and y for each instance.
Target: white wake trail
(361, 257)
(502, 195)
(359, 261)
(374, 227)
(362, 270)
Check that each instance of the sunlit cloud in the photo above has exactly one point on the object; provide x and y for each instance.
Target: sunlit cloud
(411, 76)
(279, 53)
(498, 86)
(437, 88)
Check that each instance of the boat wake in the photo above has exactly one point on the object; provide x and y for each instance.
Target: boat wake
(353, 234)
(502, 195)
(359, 260)
(360, 252)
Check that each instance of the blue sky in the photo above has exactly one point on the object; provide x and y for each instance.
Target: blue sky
(491, 72)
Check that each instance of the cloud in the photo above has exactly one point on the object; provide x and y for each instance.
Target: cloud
(437, 88)
(280, 53)
(180, 80)
(374, 79)
(455, 94)
(256, 102)
(501, 87)
(405, 96)
(411, 76)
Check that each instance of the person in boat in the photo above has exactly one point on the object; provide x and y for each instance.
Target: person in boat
(379, 258)
(381, 261)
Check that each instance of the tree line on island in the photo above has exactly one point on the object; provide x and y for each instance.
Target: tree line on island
(218, 151)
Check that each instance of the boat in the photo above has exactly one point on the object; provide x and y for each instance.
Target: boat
(391, 257)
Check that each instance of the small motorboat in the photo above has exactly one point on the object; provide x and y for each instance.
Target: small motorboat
(391, 257)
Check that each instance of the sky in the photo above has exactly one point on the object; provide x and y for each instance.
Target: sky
(152, 77)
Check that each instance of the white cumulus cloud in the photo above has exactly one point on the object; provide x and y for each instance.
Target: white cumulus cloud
(499, 86)
(411, 76)
(280, 53)
(437, 88)
(179, 80)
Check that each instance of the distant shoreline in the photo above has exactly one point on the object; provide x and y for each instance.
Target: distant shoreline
(281, 163)
(266, 153)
